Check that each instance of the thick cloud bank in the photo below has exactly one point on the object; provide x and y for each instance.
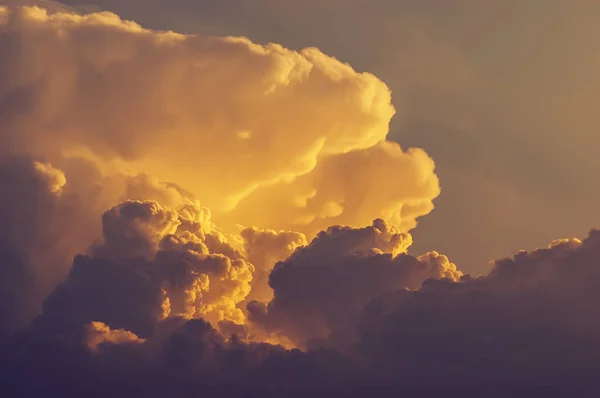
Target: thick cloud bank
(197, 216)
(529, 328)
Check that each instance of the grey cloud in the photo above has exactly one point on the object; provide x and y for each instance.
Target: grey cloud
(529, 328)
(321, 288)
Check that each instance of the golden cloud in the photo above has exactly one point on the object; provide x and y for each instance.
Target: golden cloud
(227, 157)
(223, 117)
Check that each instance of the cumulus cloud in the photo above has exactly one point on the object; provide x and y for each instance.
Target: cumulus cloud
(169, 199)
(531, 321)
(289, 128)
(321, 288)
(153, 262)
(48, 215)
(529, 328)
(265, 248)
(156, 262)
(230, 113)
(268, 138)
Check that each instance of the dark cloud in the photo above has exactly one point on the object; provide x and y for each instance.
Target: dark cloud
(531, 321)
(31, 226)
(185, 358)
(474, 337)
(529, 328)
(47, 216)
(16, 288)
(322, 287)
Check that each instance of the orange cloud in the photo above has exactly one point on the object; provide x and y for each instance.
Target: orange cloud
(248, 150)
(223, 117)
(98, 334)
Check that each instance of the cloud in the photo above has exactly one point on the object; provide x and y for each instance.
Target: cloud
(267, 138)
(328, 195)
(493, 114)
(321, 288)
(265, 248)
(98, 335)
(531, 321)
(47, 216)
(33, 226)
(196, 216)
(277, 125)
(121, 90)
(527, 328)
(153, 262)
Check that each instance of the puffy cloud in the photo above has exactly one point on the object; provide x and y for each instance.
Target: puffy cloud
(135, 229)
(323, 287)
(258, 130)
(293, 132)
(164, 300)
(48, 215)
(531, 321)
(229, 113)
(264, 248)
(529, 328)
(153, 262)
(243, 127)
(366, 314)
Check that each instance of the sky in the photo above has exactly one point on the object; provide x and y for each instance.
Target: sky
(291, 198)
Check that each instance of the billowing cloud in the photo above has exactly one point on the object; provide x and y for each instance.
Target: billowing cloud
(532, 321)
(322, 288)
(47, 216)
(243, 119)
(153, 262)
(529, 328)
(252, 136)
(265, 248)
(208, 216)
(218, 112)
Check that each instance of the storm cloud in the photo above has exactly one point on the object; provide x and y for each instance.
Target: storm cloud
(190, 215)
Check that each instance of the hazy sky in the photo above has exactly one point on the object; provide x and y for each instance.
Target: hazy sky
(502, 95)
